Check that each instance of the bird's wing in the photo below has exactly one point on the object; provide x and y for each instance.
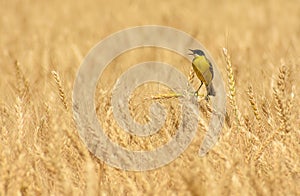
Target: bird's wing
(208, 76)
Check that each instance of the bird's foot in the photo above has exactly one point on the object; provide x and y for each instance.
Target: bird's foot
(207, 98)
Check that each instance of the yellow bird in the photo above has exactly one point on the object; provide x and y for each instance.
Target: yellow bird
(204, 71)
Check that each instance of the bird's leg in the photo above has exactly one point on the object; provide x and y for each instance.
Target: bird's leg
(207, 98)
(196, 93)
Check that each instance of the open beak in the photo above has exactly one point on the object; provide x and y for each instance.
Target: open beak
(191, 51)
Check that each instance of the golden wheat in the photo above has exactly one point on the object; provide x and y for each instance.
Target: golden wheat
(41, 152)
(62, 95)
(232, 90)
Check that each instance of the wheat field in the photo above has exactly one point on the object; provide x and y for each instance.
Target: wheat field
(42, 44)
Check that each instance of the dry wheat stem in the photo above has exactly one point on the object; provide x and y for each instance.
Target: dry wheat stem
(283, 101)
(191, 76)
(20, 119)
(253, 103)
(263, 146)
(62, 95)
(231, 82)
(23, 85)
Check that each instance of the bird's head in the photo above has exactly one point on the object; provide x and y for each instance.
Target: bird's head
(197, 52)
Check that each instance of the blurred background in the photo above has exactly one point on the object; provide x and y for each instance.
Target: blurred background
(45, 35)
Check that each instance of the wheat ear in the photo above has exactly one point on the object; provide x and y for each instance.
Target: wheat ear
(61, 91)
(231, 81)
(283, 100)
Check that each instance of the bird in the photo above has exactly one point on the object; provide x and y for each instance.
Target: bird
(204, 71)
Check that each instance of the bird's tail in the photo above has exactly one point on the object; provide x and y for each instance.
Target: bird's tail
(210, 90)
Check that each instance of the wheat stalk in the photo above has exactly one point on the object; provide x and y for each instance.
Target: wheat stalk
(61, 91)
(191, 76)
(164, 96)
(253, 103)
(283, 101)
(23, 85)
(20, 121)
(92, 179)
(232, 90)
(263, 146)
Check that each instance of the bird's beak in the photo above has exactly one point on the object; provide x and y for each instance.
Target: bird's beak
(191, 51)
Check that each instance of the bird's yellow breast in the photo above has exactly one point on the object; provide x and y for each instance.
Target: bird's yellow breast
(201, 68)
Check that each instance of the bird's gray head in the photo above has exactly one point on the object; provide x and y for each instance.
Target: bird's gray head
(197, 52)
